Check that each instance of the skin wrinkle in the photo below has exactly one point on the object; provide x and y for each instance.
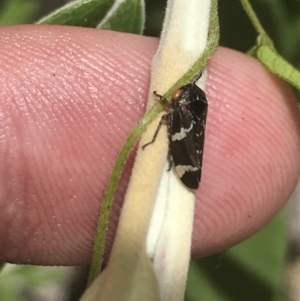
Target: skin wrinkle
(71, 142)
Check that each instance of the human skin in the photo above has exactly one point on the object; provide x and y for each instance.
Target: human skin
(69, 97)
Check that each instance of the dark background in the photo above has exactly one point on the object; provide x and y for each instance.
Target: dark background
(281, 19)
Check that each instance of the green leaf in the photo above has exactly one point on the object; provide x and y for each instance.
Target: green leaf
(278, 65)
(249, 271)
(266, 53)
(85, 13)
(127, 16)
(17, 11)
(124, 16)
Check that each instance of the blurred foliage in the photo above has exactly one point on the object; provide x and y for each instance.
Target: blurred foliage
(252, 270)
(25, 282)
(18, 11)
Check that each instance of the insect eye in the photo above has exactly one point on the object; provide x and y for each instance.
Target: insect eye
(176, 94)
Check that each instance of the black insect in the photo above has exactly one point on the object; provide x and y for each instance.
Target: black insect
(186, 118)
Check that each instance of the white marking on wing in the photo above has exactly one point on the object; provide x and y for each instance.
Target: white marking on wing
(182, 133)
(181, 169)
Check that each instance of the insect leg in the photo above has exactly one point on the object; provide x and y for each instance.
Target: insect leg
(162, 120)
(165, 102)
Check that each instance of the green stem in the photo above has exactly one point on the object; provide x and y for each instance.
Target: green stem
(253, 18)
(111, 188)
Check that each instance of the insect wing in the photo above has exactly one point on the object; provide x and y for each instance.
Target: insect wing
(187, 139)
(197, 108)
(197, 103)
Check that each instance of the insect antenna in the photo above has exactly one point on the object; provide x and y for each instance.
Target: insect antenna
(197, 77)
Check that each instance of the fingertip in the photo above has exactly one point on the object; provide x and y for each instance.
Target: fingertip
(251, 163)
(75, 94)
(69, 98)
